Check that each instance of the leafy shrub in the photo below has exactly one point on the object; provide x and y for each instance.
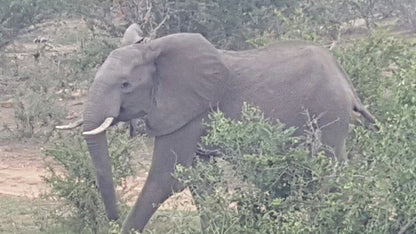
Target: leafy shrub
(407, 15)
(393, 149)
(268, 165)
(37, 110)
(16, 14)
(227, 24)
(36, 114)
(274, 188)
(72, 180)
(94, 53)
(371, 64)
(80, 68)
(40, 87)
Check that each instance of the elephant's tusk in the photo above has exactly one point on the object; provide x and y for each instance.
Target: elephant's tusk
(71, 125)
(107, 122)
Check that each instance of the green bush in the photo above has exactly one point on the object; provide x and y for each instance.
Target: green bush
(274, 187)
(16, 14)
(84, 65)
(37, 110)
(71, 178)
(39, 98)
(393, 149)
(94, 53)
(268, 166)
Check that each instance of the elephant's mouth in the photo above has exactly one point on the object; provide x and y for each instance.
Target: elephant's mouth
(111, 121)
(125, 116)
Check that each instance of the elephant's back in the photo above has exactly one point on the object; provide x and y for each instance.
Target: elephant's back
(287, 80)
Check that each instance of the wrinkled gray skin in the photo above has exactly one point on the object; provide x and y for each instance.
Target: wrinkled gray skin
(174, 82)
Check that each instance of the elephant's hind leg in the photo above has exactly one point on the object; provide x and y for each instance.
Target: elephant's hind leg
(333, 139)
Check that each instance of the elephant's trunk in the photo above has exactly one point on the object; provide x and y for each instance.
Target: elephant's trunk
(98, 148)
(95, 114)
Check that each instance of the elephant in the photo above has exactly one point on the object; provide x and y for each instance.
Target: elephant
(172, 83)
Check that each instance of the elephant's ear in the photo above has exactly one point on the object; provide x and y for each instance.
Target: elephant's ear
(190, 79)
(132, 35)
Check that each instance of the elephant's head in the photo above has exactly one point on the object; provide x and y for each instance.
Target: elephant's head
(167, 82)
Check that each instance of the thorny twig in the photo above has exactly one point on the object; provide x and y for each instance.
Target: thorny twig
(314, 133)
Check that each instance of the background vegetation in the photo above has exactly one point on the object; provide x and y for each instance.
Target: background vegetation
(264, 183)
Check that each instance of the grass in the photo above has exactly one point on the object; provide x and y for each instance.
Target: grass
(174, 221)
(20, 215)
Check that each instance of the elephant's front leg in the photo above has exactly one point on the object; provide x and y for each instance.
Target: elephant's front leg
(169, 150)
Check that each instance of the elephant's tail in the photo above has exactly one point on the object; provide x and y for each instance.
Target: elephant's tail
(358, 107)
(369, 118)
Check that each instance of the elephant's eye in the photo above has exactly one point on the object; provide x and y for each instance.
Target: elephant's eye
(125, 85)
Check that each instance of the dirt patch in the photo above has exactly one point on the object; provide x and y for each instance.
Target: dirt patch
(21, 170)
